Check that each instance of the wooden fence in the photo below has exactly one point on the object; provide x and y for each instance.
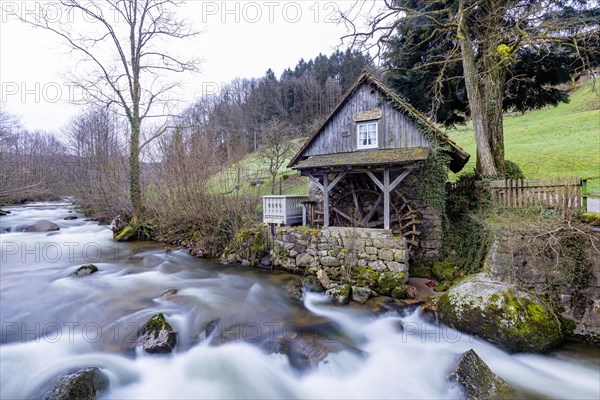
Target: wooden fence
(559, 193)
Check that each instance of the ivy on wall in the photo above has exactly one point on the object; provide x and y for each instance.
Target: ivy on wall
(431, 182)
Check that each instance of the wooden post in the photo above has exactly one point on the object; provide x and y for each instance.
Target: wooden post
(326, 200)
(584, 194)
(303, 214)
(386, 198)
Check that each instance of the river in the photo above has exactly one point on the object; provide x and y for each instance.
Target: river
(53, 322)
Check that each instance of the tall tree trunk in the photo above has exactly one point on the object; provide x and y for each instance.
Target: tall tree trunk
(485, 160)
(494, 82)
(135, 189)
(495, 63)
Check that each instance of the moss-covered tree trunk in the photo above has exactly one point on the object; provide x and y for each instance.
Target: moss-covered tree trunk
(477, 104)
(135, 186)
(493, 96)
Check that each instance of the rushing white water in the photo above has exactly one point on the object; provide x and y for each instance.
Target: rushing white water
(52, 322)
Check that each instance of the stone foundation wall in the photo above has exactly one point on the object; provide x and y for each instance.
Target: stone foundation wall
(300, 249)
(349, 263)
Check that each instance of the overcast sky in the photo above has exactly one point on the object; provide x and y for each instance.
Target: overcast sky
(239, 39)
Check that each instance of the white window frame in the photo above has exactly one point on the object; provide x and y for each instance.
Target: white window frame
(367, 146)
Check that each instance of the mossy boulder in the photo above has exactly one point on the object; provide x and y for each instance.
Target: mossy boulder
(85, 270)
(128, 233)
(341, 294)
(361, 294)
(80, 384)
(389, 281)
(2, 213)
(477, 381)
(500, 313)
(157, 336)
(403, 291)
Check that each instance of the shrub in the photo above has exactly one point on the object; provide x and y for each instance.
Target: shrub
(512, 170)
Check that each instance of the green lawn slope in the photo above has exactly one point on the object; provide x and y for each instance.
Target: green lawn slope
(553, 141)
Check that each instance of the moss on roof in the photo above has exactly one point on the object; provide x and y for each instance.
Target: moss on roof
(365, 157)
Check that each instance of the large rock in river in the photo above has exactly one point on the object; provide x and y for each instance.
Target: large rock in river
(81, 384)
(500, 313)
(157, 336)
(42, 226)
(477, 381)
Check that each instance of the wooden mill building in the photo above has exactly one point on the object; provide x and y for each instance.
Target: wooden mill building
(362, 164)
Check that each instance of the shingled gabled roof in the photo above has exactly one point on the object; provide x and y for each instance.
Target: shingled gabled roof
(437, 138)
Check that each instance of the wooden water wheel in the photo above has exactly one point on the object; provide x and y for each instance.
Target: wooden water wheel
(356, 202)
(408, 220)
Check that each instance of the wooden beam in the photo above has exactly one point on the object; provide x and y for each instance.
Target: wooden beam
(400, 178)
(315, 181)
(346, 216)
(336, 180)
(370, 214)
(386, 198)
(375, 180)
(357, 205)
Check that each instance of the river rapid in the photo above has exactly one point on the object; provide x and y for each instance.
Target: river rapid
(53, 322)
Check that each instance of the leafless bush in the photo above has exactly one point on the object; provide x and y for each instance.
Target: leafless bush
(191, 201)
(95, 139)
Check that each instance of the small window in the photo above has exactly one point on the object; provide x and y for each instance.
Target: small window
(367, 135)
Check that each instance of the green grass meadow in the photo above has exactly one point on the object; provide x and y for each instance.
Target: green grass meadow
(550, 142)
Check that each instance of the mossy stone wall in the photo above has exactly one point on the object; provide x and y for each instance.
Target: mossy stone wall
(339, 250)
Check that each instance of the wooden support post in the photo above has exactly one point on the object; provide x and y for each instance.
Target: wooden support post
(325, 188)
(303, 214)
(584, 197)
(326, 200)
(386, 198)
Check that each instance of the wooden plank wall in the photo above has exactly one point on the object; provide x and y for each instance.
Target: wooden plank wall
(561, 193)
(395, 130)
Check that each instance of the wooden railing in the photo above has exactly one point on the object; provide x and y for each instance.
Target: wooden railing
(560, 193)
(284, 210)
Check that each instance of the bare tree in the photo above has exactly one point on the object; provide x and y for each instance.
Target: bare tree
(277, 147)
(485, 37)
(125, 61)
